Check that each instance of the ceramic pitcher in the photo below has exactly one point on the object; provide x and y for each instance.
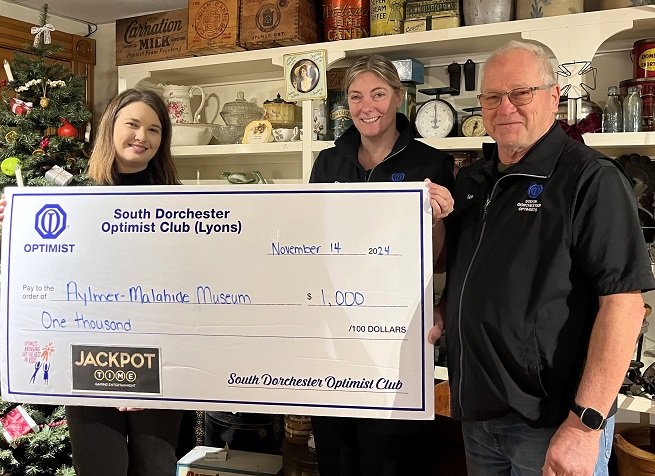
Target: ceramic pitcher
(178, 102)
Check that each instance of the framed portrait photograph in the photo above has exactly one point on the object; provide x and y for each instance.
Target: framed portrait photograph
(304, 76)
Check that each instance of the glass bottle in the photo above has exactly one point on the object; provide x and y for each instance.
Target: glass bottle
(632, 110)
(612, 112)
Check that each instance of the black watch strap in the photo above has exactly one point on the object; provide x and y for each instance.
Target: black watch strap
(590, 417)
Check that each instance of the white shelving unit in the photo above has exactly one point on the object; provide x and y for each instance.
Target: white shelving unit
(603, 37)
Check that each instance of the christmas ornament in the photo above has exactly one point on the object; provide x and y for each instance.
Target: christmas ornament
(44, 142)
(11, 137)
(58, 176)
(3, 83)
(67, 130)
(17, 423)
(19, 107)
(10, 77)
(42, 30)
(44, 102)
(38, 152)
(8, 166)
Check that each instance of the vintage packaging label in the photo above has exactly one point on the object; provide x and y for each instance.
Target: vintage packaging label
(346, 19)
(266, 23)
(213, 26)
(152, 37)
(418, 10)
(387, 17)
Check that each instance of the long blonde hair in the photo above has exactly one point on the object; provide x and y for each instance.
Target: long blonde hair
(102, 165)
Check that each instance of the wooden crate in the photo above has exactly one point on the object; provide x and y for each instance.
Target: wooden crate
(154, 37)
(265, 24)
(213, 26)
(442, 398)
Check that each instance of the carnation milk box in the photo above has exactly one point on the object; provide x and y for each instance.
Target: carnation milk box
(209, 461)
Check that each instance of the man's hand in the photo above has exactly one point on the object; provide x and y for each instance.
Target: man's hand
(573, 450)
(437, 328)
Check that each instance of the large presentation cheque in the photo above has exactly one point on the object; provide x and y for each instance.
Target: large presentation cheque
(306, 299)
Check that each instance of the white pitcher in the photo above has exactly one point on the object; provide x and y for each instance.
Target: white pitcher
(178, 102)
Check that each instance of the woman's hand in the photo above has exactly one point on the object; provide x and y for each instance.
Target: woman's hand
(129, 409)
(441, 201)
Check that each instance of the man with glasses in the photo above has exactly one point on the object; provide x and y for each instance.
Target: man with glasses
(546, 265)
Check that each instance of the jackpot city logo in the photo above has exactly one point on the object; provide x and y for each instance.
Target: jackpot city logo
(50, 221)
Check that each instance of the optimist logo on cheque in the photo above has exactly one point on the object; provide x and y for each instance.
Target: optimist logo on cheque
(50, 222)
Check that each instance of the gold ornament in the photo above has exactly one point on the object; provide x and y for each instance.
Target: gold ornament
(44, 102)
(11, 137)
(38, 152)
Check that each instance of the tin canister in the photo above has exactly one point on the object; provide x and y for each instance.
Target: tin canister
(387, 17)
(340, 120)
(646, 89)
(346, 19)
(643, 58)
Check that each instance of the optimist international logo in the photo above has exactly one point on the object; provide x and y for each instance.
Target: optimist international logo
(50, 221)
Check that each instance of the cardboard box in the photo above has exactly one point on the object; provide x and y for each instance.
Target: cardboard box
(431, 23)
(434, 8)
(154, 37)
(206, 461)
(265, 24)
(410, 70)
(213, 26)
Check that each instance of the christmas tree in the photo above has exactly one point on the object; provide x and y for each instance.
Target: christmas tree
(41, 109)
(35, 441)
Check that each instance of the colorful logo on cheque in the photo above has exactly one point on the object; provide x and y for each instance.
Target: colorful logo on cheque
(50, 221)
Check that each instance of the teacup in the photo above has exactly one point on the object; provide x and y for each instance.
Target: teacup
(285, 135)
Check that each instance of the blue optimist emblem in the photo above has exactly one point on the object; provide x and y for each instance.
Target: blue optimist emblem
(50, 221)
(398, 177)
(535, 190)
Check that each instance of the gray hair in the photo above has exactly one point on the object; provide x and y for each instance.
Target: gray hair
(376, 64)
(546, 70)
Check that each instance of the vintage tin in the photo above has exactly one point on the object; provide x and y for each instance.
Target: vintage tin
(420, 10)
(213, 26)
(346, 19)
(340, 119)
(537, 9)
(431, 23)
(646, 88)
(410, 70)
(387, 17)
(267, 24)
(643, 58)
(153, 37)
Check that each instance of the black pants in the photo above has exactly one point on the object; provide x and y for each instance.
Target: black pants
(368, 447)
(107, 442)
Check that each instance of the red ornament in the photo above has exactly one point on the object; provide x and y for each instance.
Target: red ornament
(67, 130)
(3, 83)
(44, 142)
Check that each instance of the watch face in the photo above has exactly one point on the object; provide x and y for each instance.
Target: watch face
(473, 126)
(435, 118)
(592, 418)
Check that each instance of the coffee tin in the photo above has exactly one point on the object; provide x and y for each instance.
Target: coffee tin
(643, 58)
(387, 17)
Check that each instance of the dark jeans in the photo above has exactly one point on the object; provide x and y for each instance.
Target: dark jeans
(107, 442)
(371, 447)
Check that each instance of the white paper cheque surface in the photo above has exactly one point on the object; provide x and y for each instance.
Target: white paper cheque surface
(307, 299)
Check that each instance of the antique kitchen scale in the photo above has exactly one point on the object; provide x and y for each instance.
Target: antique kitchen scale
(472, 126)
(437, 118)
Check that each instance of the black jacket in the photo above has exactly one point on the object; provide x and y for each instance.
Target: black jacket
(410, 160)
(530, 250)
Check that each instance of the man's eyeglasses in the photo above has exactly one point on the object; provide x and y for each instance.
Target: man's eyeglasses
(517, 96)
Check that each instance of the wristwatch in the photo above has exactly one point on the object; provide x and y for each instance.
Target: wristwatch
(590, 417)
